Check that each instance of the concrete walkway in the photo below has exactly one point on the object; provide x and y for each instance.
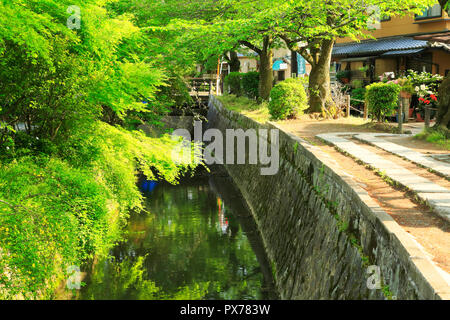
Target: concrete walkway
(414, 127)
(440, 167)
(436, 196)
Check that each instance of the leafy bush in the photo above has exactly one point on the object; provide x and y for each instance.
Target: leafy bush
(51, 216)
(358, 94)
(382, 99)
(406, 85)
(439, 136)
(233, 82)
(287, 99)
(357, 84)
(250, 84)
(432, 81)
(60, 211)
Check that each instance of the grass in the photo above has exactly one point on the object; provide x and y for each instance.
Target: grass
(438, 137)
(247, 107)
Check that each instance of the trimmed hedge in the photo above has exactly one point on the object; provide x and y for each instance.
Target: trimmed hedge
(288, 99)
(250, 84)
(382, 99)
(234, 82)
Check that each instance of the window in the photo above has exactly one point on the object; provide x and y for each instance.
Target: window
(385, 18)
(432, 12)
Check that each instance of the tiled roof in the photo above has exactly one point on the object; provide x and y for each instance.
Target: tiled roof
(378, 46)
(401, 52)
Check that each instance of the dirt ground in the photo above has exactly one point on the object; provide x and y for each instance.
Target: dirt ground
(418, 145)
(428, 229)
(308, 128)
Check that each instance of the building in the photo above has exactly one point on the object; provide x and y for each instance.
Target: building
(401, 44)
(282, 64)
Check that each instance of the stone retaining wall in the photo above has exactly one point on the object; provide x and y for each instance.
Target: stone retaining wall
(321, 230)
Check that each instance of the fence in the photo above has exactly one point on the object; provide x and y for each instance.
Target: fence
(365, 112)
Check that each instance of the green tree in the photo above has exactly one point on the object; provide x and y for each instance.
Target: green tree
(311, 28)
(230, 28)
(53, 78)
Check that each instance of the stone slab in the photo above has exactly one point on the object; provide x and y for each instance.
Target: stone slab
(421, 159)
(435, 195)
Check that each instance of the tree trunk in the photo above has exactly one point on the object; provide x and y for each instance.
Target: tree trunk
(265, 71)
(443, 117)
(319, 78)
(234, 62)
(294, 63)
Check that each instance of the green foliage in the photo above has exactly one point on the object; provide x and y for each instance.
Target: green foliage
(406, 85)
(54, 79)
(233, 82)
(287, 99)
(439, 136)
(68, 180)
(52, 216)
(382, 99)
(58, 212)
(432, 81)
(344, 74)
(359, 94)
(357, 84)
(250, 108)
(250, 84)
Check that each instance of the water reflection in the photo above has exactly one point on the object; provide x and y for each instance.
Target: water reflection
(197, 242)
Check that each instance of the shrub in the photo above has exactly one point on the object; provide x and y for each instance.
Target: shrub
(57, 212)
(358, 94)
(233, 82)
(357, 84)
(382, 99)
(287, 99)
(250, 84)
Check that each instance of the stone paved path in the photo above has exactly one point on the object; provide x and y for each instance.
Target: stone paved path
(437, 196)
(442, 168)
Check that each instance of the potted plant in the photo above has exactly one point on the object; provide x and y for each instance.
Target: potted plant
(343, 76)
(426, 98)
(364, 70)
(406, 87)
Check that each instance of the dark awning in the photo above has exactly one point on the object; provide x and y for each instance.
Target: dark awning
(378, 47)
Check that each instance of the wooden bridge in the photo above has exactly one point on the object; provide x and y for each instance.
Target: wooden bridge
(202, 88)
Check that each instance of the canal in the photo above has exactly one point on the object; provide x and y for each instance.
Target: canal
(196, 240)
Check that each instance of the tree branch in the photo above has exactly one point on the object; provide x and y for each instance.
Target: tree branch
(251, 46)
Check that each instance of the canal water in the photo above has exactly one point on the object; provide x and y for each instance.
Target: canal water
(197, 240)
